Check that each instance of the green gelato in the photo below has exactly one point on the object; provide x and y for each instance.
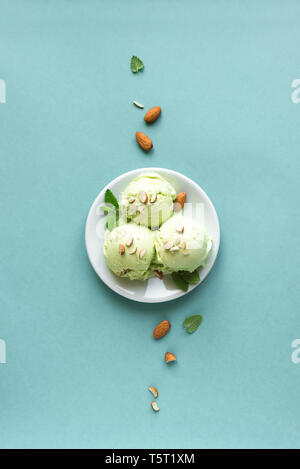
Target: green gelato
(148, 200)
(129, 251)
(182, 244)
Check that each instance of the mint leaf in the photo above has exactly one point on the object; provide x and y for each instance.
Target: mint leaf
(111, 221)
(106, 209)
(192, 323)
(179, 281)
(136, 64)
(111, 199)
(190, 277)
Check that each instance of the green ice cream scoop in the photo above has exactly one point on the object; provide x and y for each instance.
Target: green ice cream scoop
(148, 200)
(182, 244)
(128, 251)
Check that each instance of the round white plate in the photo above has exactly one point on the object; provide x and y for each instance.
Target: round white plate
(153, 290)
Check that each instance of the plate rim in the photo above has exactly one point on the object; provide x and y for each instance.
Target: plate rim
(178, 293)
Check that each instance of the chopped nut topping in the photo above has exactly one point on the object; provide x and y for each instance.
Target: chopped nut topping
(153, 198)
(133, 251)
(158, 274)
(174, 249)
(186, 252)
(142, 253)
(124, 272)
(129, 241)
(131, 200)
(168, 245)
(122, 249)
(179, 228)
(143, 197)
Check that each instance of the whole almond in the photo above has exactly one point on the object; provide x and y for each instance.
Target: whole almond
(179, 201)
(161, 329)
(152, 114)
(143, 141)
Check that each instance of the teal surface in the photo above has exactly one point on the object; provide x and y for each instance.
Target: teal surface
(79, 357)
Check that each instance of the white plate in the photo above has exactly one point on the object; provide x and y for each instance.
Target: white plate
(153, 290)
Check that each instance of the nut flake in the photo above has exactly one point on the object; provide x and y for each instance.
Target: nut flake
(155, 406)
(142, 253)
(140, 106)
(129, 241)
(153, 198)
(158, 274)
(143, 197)
(154, 391)
(179, 228)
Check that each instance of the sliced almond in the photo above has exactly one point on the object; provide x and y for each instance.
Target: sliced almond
(131, 200)
(158, 274)
(122, 249)
(143, 197)
(139, 105)
(129, 241)
(124, 272)
(155, 406)
(153, 198)
(186, 252)
(174, 249)
(168, 245)
(133, 251)
(184, 245)
(179, 228)
(154, 391)
(142, 253)
(170, 357)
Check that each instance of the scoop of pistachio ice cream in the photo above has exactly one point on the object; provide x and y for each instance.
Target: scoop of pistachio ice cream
(129, 250)
(182, 244)
(148, 200)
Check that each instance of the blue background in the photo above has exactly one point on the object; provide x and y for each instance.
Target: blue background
(79, 357)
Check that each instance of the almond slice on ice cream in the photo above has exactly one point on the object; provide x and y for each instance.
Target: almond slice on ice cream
(179, 228)
(142, 253)
(129, 241)
(153, 198)
(168, 245)
(158, 274)
(143, 197)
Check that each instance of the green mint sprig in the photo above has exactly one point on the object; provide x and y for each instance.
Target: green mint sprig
(192, 323)
(183, 279)
(111, 212)
(136, 64)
